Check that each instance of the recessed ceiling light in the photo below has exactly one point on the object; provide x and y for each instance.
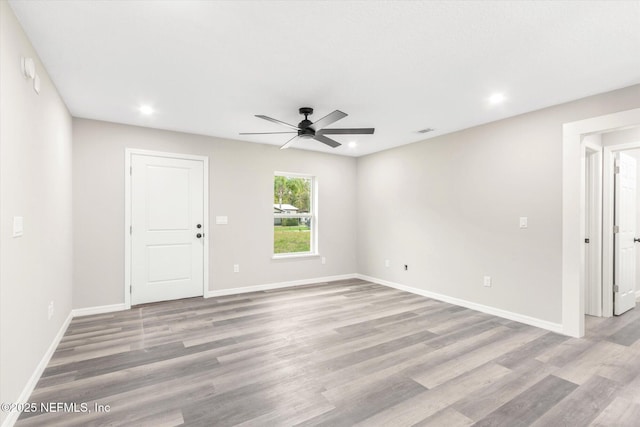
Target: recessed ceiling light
(146, 110)
(496, 98)
(353, 144)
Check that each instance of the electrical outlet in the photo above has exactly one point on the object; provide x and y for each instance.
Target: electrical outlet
(324, 260)
(236, 268)
(387, 263)
(50, 310)
(406, 267)
(487, 281)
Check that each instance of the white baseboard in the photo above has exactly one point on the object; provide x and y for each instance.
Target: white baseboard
(270, 286)
(87, 311)
(544, 324)
(37, 373)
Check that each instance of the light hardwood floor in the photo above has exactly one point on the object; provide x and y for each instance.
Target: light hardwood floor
(338, 354)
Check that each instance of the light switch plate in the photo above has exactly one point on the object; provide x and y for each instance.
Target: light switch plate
(524, 222)
(18, 224)
(222, 220)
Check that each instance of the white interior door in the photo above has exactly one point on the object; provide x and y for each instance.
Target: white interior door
(624, 246)
(167, 205)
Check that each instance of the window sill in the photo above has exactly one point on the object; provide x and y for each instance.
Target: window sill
(293, 256)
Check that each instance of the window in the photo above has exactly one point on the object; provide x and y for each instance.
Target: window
(294, 218)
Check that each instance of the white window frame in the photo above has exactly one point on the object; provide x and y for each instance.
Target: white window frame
(312, 215)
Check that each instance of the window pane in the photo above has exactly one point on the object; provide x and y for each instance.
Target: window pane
(291, 235)
(292, 196)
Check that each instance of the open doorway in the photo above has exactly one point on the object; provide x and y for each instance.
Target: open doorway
(612, 221)
(573, 207)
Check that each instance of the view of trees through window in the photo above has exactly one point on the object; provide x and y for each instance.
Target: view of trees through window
(293, 216)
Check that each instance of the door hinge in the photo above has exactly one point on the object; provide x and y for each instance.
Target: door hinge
(616, 288)
(616, 228)
(616, 170)
(130, 170)
(130, 289)
(130, 229)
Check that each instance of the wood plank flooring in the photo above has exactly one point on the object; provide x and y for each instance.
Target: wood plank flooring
(336, 354)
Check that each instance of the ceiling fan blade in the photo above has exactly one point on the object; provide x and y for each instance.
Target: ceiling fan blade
(358, 131)
(288, 143)
(277, 121)
(328, 119)
(330, 142)
(262, 133)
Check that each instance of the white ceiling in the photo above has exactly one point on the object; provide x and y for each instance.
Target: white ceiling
(208, 67)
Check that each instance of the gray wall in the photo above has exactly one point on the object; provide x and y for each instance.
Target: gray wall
(449, 208)
(241, 187)
(35, 183)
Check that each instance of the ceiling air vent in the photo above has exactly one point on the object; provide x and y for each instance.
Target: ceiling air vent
(427, 130)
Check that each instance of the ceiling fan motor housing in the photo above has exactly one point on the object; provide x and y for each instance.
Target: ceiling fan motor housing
(306, 133)
(304, 130)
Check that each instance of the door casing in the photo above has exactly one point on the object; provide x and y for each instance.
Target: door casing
(593, 210)
(129, 152)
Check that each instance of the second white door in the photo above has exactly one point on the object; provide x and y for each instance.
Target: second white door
(167, 228)
(624, 245)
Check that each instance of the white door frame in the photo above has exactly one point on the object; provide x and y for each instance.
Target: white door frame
(127, 215)
(593, 212)
(573, 203)
(608, 220)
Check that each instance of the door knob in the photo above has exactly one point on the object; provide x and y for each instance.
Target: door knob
(636, 240)
(199, 226)
(199, 235)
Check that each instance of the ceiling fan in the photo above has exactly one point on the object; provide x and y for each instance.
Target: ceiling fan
(316, 130)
